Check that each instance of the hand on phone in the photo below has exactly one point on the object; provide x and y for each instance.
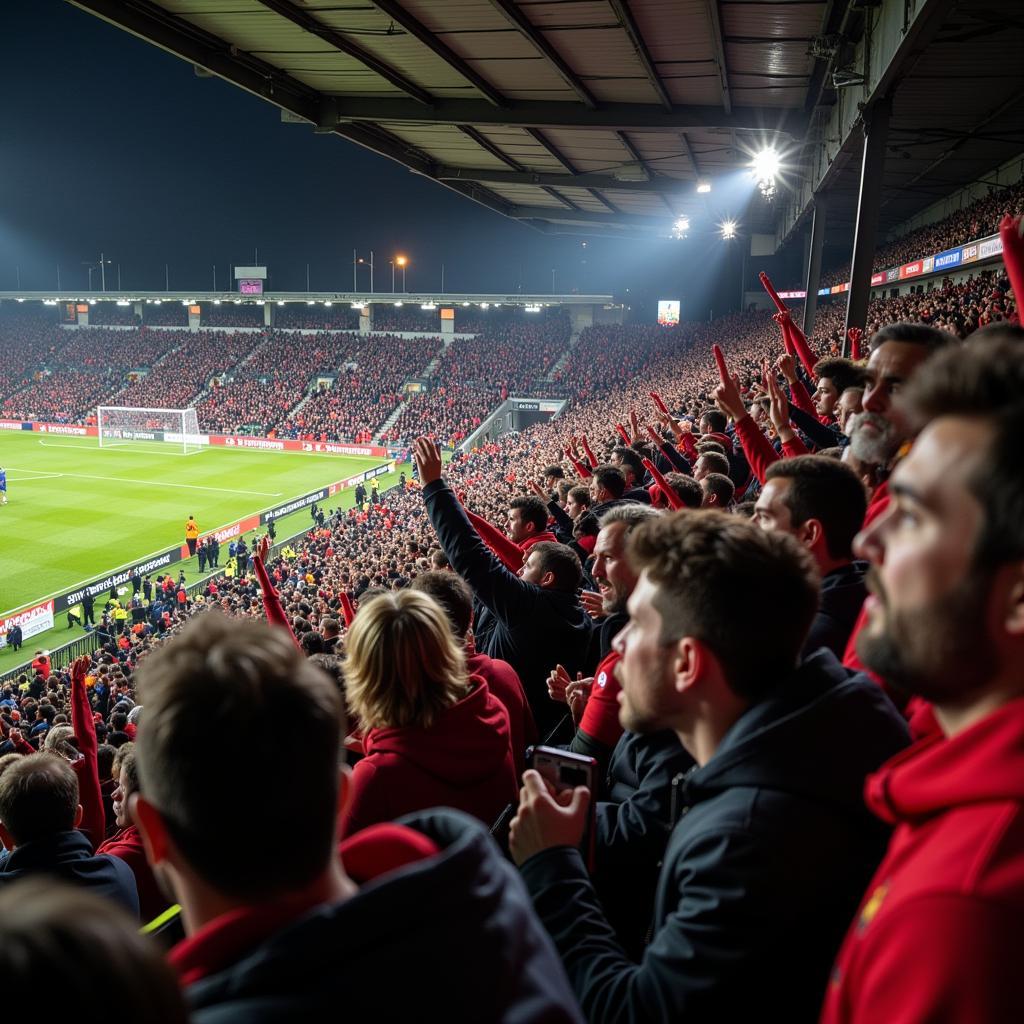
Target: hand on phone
(547, 818)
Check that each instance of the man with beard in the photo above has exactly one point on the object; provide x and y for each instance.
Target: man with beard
(878, 433)
(939, 933)
(594, 702)
(772, 842)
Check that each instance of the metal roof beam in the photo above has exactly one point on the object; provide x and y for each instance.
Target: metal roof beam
(306, 21)
(519, 21)
(485, 143)
(551, 148)
(416, 28)
(630, 220)
(625, 15)
(565, 114)
(718, 43)
(656, 186)
(690, 154)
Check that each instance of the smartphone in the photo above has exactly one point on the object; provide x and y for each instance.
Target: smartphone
(566, 770)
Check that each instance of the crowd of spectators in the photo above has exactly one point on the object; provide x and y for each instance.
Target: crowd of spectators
(366, 390)
(231, 315)
(165, 313)
(975, 220)
(317, 317)
(110, 314)
(760, 602)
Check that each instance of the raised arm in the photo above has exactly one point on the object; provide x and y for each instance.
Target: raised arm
(272, 606)
(504, 593)
(90, 796)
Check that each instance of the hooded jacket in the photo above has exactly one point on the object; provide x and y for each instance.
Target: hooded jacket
(504, 684)
(841, 598)
(939, 933)
(761, 874)
(530, 627)
(449, 937)
(464, 760)
(126, 844)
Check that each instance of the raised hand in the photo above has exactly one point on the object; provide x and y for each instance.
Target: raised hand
(263, 547)
(727, 392)
(786, 365)
(427, 456)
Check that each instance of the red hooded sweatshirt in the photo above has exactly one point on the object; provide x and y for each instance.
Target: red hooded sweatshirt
(504, 683)
(940, 932)
(464, 760)
(127, 844)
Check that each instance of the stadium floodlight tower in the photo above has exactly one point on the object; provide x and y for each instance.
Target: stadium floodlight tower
(173, 431)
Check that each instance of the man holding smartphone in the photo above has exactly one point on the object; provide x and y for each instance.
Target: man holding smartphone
(773, 845)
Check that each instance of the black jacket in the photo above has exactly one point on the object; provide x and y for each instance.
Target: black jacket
(841, 597)
(451, 938)
(633, 825)
(761, 875)
(69, 857)
(530, 627)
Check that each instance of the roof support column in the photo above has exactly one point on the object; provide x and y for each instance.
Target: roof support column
(813, 281)
(876, 134)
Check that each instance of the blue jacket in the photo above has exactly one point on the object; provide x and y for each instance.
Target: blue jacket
(762, 874)
(69, 857)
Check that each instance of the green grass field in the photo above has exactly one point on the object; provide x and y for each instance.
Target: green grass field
(77, 511)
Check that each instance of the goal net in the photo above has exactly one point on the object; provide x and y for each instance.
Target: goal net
(175, 430)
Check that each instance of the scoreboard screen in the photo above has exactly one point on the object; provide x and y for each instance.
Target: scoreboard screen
(250, 286)
(668, 312)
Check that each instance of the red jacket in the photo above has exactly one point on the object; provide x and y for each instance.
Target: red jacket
(504, 683)
(939, 934)
(127, 844)
(463, 761)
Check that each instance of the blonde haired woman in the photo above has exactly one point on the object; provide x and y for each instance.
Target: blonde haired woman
(434, 735)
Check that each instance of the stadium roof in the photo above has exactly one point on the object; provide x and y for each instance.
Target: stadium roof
(582, 116)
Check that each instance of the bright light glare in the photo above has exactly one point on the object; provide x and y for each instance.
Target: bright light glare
(401, 261)
(681, 226)
(766, 164)
(703, 187)
(729, 229)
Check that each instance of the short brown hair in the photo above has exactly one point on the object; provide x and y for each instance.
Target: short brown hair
(60, 935)
(452, 593)
(827, 490)
(214, 697)
(404, 666)
(983, 380)
(720, 579)
(38, 797)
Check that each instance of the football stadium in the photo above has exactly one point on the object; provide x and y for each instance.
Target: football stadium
(526, 496)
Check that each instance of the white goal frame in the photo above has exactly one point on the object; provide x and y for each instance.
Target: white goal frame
(119, 426)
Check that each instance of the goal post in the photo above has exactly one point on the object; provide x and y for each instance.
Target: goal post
(120, 426)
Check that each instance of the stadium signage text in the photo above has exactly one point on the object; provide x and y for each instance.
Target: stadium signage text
(34, 620)
(292, 506)
(160, 561)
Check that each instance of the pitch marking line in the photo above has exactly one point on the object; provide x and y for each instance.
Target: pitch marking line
(156, 483)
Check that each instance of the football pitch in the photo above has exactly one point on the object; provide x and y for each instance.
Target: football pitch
(77, 511)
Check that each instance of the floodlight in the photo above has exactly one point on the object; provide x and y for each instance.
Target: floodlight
(766, 164)
(728, 229)
(703, 187)
(398, 303)
(681, 226)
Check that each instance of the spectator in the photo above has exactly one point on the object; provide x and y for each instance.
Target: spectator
(56, 937)
(296, 942)
(748, 904)
(526, 615)
(433, 734)
(821, 503)
(39, 818)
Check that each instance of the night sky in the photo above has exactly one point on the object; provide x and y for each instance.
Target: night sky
(111, 145)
